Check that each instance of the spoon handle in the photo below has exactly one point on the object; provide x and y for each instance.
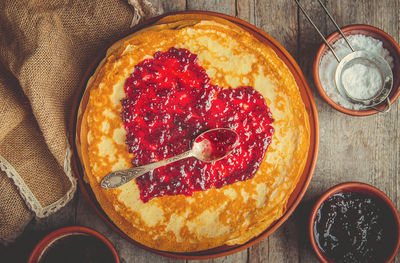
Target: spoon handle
(118, 178)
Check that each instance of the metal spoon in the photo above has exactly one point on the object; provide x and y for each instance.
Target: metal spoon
(203, 149)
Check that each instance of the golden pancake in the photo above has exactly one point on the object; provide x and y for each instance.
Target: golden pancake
(232, 214)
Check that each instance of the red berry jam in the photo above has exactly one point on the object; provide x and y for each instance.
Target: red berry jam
(169, 102)
(216, 143)
(353, 227)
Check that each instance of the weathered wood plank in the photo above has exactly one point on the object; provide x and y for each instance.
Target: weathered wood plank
(169, 6)
(309, 39)
(245, 9)
(278, 19)
(276, 247)
(221, 6)
(240, 257)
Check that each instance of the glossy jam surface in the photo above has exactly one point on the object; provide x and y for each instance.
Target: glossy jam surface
(215, 144)
(169, 102)
(353, 227)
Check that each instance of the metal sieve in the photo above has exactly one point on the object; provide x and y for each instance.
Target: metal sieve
(358, 57)
(363, 57)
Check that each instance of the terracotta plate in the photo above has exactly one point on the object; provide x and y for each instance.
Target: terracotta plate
(298, 192)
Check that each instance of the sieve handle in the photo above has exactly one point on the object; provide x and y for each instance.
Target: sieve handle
(316, 28)
(387, 108)
(319, 32)
(336, 25)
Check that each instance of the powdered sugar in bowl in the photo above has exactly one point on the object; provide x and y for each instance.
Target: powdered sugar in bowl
(371, 40)
(364, 77)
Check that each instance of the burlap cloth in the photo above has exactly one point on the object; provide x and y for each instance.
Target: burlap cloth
(45, 48)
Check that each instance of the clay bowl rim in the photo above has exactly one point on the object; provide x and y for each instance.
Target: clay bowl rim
(296, 195)
(55, 235)
(358, 187)
(348, 30)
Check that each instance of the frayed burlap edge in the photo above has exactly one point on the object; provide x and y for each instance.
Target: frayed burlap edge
(10, 239)
(141, 9)
(27, 195)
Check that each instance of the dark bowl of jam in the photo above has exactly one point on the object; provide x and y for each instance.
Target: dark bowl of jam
(74, 244)
(354, 222)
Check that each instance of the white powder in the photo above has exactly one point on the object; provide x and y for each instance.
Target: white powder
(362, 85)
(362, 81)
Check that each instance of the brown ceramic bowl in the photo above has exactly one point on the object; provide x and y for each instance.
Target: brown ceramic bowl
(356, 187)
(58, 234)
(301, 186)
(388, 42)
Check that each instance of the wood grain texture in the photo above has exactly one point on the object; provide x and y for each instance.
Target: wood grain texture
(169, 6)
(245, 9)
(221, 6)
(365, 149)
(279, 20)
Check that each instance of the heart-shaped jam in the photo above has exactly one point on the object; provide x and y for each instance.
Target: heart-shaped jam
(169, 102)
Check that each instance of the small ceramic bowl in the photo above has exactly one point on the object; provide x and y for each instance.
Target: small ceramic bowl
(45, 243)
(388, 42)
(355, 187)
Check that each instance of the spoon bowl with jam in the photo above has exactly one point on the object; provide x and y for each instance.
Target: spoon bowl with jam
(210, 146)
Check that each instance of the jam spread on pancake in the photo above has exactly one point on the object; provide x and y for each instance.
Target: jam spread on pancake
(218, 143)
(169, 102)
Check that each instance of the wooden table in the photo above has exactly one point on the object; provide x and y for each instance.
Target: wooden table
(365, 149)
